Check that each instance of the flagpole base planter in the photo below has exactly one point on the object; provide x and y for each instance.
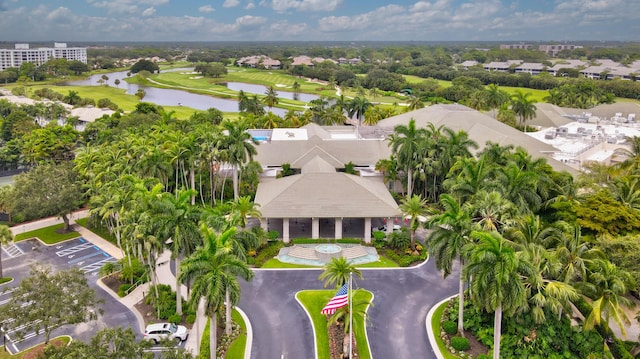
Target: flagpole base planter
(337, 343)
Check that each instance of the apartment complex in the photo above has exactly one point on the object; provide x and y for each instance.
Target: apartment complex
(549, 49)
(22, 53)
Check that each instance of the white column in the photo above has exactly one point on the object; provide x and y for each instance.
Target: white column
(389, 226)
(264, 224)
(315, 228)
(338, 224)
(367, 230)
(285, 230)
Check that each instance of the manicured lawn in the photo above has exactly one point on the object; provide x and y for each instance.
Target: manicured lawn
(537, 95)
(314, 300)
(118, 96)
(236, 349)
(64, 340)
(195, 83)
(274, 263)
(48, 235)
(435, 326)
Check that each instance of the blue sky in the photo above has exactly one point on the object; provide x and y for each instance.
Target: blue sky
(318, 20)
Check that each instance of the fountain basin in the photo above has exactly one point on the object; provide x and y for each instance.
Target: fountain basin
(326, 252)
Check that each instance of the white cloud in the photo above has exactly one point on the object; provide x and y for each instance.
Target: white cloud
(206, 9)
(250, 5)
(149, 12)
(231, 3)
(125, 6)
(305, 5)
(60, 15)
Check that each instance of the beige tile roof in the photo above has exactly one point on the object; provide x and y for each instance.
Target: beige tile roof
(325, 195)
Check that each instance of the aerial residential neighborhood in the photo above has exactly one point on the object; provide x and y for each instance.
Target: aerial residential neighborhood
(307, 179)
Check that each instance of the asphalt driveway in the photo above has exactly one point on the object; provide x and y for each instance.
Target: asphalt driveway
(402, 298)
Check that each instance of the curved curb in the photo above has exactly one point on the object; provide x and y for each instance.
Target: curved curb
(7, 282)
(432, 338)
(133, 309)
(364, 324)
(249, 343)
(313, 327)
(359, 268)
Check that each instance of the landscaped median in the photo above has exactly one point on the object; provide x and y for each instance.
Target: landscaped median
(36, 351)
(432, 324)
(314, 300)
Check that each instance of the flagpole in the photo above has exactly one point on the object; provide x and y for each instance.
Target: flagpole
(350, 315)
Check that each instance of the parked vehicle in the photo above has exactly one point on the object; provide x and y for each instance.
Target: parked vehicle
(163, 331)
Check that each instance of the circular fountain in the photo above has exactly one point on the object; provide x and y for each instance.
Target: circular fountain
(325, 252)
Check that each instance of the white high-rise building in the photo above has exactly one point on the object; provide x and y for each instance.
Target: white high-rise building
(22, 53)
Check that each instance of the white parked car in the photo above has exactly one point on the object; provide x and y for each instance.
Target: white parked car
(383, 228)
(163, 331)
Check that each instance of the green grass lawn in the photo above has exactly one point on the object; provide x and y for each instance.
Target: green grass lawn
(236, 349)
(119, 96)
(195, 83)
(435, 326)
(63, 340)
(314, 300)
(48, 235)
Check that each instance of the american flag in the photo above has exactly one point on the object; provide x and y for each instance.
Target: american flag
(338, 301)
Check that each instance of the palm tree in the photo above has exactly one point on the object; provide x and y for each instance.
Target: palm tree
(239, 147)
(494, 97)
(576, 255)
(271, 98)
(213, 272)
(524, 107)
(491, 210)
(415, 208)
(242, 209)
(447, 241)
(415, 103)
(607, 285)
(180, 224)
(405, 144)
(497, 274)
(6, 236)
(336, 272)
(358, 106)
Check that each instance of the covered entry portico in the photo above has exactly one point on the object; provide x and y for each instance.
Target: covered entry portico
(326, 227)
(323, 203)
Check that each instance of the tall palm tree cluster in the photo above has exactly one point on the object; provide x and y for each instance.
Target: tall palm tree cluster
(511, 223)
(163, 188)
(422, 157)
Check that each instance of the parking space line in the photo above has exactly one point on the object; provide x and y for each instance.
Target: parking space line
(76, 260)
(97, 265)
(74, 249)
(12, 250)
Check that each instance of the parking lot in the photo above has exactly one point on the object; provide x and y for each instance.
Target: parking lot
(74, 253)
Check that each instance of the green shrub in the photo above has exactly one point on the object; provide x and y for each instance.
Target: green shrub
(449, 327)
(175, 319)
(460, 343)
(400, 240)
(267, 252)
(190, 319)
(483, 356)
(273, 235)
(123, 289)
(379, 243)
(379, 235)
